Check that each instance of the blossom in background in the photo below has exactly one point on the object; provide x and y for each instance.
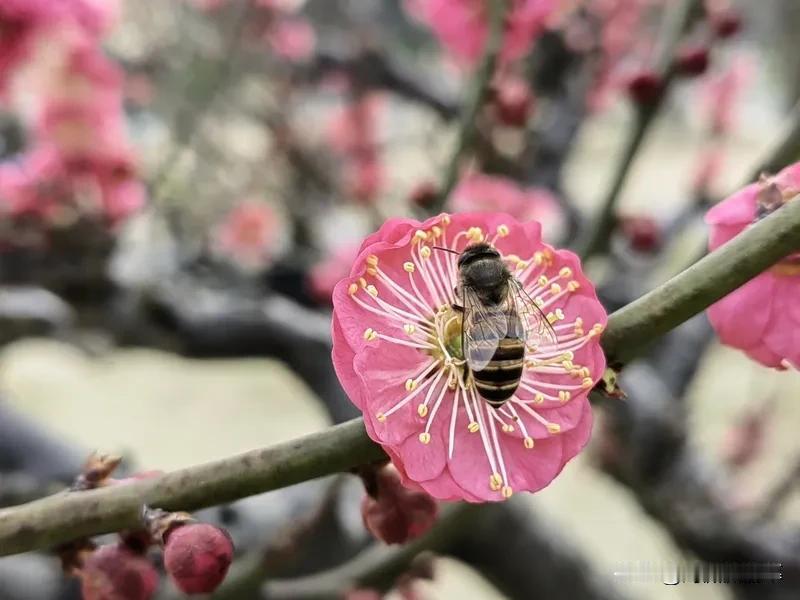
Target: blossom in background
(477, 192)
(462, 25)
(721, 95)
(247, 234)
(762, 317)
(292, 38)
(396, 350)
(353, 133)
(324, 275)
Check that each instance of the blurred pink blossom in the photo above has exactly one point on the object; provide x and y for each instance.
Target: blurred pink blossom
(762, 317)
(722, 93)
(324, 275)
(292, 38)
(462, 25)
(247, 234)
(479, 192)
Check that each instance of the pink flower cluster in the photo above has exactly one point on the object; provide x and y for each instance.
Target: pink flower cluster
(762, 317)
(79, 161)
(397, 353)
(352, 132)
(462, 25)
(477, 192)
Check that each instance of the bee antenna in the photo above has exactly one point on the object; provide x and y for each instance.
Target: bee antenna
(445, 249)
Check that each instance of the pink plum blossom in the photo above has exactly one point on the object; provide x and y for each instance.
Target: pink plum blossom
(397, 354)
(762, 317)
(247, 234)
(477, 192)
(462, 25)
(292, 38)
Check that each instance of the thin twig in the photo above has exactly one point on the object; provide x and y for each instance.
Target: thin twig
(596, 237)
(59, 519)
(477, 97)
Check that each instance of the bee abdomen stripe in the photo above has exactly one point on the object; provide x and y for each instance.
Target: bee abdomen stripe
(509, 349)
(496, 392)
(502, 374)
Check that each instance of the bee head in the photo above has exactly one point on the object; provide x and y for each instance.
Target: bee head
(477, 251)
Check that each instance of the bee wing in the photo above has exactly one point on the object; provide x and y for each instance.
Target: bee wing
(530, 324)
(483, 328)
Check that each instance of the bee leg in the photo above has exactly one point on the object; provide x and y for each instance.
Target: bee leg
(457, 307)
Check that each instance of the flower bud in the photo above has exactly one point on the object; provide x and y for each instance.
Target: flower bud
(424, 194)
(643, 233)
(692, 61)
(726, 23)
(512, 101)
(197, 556)
(115, 573)
(395, 514)
(645, 87)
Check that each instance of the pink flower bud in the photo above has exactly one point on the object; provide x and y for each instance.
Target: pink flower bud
(643, 233)
(645, 87)
(197, 556)
(692, 61)
(115, 573)
(424, 194)
(395, 514)
(512, 101)
(726, 23)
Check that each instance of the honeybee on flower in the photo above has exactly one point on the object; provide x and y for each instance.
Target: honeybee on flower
(398, 351)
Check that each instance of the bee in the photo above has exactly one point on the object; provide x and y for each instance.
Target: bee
(499, 320)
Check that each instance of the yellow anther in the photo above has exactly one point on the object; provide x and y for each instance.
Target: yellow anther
(513, 258)
(502, 230)
(473, 427)
(551, 318)
(445, 219)
(425, 252)
(362, 282)
(410, 385)
(522, 264)
(578, 322)
(370, 334)
(553, 427)
(452, 384)
(420, 235)
(425, 437)
(372, 291)
(409, 267)
(437, 231)
(564, 396)
(539, 301)
(543, 280)
(409, 328)
(528, 441)
(372, 271)
(352, 289)
(598, 328)
(559, 314)
(381, 417)
(538, 398)
(372, 260)
(565, 272)
(555, 289)
(422, 410)
(538, 258)
(573, 285)
(495, 481)
(475, 234)
(508, 428)
(507, 491)
(586, 372)
(567, 364)
(587, 383)
(568, 355)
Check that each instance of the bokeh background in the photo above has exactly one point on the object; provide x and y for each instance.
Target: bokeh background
(268, 138)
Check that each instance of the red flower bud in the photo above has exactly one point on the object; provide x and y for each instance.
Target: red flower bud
(512, 101)
(645, 87)
(115, 573)
(726, 23)
(692, 61)
(643, 233)
(395, 514)
(424, 194)
(197, 556)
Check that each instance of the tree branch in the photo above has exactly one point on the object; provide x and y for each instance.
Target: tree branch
(64, 517)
